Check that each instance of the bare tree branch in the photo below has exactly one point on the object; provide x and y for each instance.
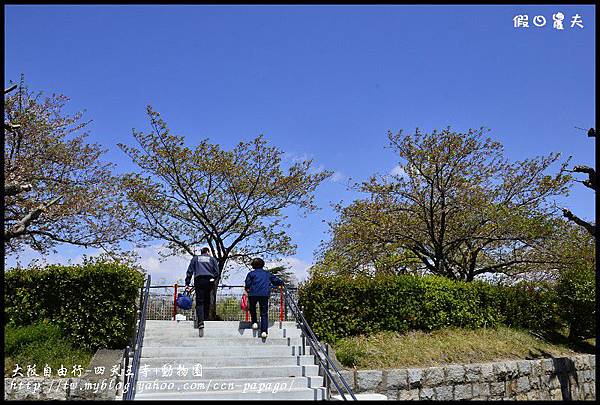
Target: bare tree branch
(591, 228)
(20, 227)
(592, 181)
(12, 189)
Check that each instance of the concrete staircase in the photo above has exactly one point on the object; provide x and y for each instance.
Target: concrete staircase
(227, 363)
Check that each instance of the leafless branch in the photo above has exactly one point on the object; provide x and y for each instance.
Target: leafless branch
(572, 217)
(20, 227)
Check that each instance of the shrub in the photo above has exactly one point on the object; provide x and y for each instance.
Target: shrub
(576, 299)
(40, 345)
(93, 303)
(531, 306)
(338, 307)
(229, 309)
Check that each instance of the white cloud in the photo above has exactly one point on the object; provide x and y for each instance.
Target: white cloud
(315, 170)
(170, 270)
(67, 255)
(296, 157)
(297, 266)
(338, 177)
(398, 171)
(236, 274)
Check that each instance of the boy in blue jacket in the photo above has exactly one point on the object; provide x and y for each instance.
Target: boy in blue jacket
(258, 286)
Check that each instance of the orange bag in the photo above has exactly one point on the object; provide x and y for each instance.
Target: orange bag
(244, 302)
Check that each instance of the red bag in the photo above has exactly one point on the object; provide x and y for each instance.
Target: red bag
(244, 302)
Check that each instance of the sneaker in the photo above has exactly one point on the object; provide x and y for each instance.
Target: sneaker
(201, 329)
(254, 326)
(263, 335)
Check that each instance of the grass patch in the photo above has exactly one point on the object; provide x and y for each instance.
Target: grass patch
(42, 344)
(444, 346)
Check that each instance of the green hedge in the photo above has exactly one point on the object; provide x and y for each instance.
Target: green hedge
(338, 306)
(92, 303)
(576, 296)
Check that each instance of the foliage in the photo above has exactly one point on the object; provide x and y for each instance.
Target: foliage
(455, 206)
(572, 248)
(285, 274)
(357, 246)
(530, 305)
(56, 188)
(569, 247)
(40, 345)
(231, 200)
(93, 303)
(576, 293)
(229, 309)
(338, 306)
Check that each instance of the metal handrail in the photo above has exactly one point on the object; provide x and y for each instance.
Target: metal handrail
(283, 313)
(320, 352)
(130, 380)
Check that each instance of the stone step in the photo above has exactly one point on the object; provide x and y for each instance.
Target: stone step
(218, 361)
(229, 384)
(222, 351)
(254, 371)
(293, 394)
(212, 341)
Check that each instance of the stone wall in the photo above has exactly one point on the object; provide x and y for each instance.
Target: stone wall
(35, 388)
(564, 378)
(97, 383)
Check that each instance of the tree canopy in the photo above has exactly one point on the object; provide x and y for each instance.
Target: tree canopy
(56, 187)
(285, 274)
(231, 200)
(457, 207)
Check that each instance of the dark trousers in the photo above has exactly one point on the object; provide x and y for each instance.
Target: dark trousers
(203, 287)
(264, 311)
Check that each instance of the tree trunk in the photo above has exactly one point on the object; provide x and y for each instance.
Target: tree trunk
(212, 315)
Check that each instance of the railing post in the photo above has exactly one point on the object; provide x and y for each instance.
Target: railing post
(247, 307)
(327, 382)
(175, 302)
(125, 378)
(281, 303)
(303, 334)
(130, 381)
(138, 316)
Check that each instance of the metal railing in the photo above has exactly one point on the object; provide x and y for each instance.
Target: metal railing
(320, 352)
(162, 304)
(130, 376)
(228, 308)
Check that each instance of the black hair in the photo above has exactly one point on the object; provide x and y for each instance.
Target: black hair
(204, 250)
(257, 263)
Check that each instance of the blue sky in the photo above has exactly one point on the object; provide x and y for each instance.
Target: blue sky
(325, 82)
